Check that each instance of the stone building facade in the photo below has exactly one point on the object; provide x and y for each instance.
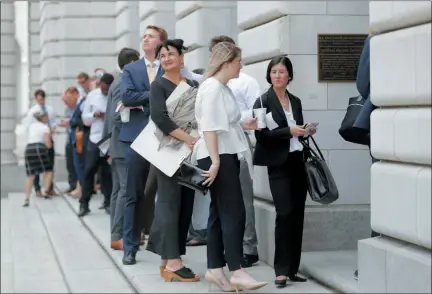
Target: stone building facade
(10, 58)
(400, 260)
(79, 36)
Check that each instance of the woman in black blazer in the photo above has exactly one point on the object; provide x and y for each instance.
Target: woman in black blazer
(280, 150)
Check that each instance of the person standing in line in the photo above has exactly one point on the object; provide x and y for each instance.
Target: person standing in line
(72, 175)
(281, 151)
(40, 105)
(117, 150)
(218, 150)
(134, 91)
(246, 90)
(197, 235)
(71, 98)
(83, 81)
(79, 136)
(36, 155)
(363, 86)
(174, 204)
(93, 115)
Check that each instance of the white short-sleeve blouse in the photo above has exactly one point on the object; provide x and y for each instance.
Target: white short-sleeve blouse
(36, 132)
(217, 110)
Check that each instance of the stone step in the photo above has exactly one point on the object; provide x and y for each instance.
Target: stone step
(28, 260)
(144, 275)
(332, 268)
(86, 266)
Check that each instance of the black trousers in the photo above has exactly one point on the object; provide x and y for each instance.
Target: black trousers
(226, 224)
(72, 176)
(172, 217)
(93, 161)
(36, 183)
(288, 186)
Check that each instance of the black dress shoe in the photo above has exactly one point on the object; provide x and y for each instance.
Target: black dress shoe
(129, 258)
(249, 260)
(84, 210)
(356, 274)
(295, 278)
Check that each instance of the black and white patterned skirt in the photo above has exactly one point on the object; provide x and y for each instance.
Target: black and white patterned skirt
(37, 160)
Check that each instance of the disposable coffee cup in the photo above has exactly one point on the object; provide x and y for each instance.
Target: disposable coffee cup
(260, 114)
(125, 115)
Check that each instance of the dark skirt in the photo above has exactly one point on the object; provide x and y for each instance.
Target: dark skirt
(37, 160)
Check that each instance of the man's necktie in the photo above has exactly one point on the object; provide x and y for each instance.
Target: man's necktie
(151, 72)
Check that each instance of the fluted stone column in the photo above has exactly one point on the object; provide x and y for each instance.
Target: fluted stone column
(127, 25)
(160, 13)
(34, 46)
(10, 57)
(49, 51)
(400, 74)
(199, 21)
(75, 37)
(271, 28)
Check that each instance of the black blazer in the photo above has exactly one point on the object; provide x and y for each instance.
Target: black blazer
(272, 147)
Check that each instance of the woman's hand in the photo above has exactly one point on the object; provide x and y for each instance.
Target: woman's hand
(297, 131)
(211, 174)
(250, 124)
(190, 142)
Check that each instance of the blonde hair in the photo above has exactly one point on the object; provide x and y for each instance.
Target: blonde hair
(40, 114)
(222, 53)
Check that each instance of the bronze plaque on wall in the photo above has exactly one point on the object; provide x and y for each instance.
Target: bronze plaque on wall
(338, 56)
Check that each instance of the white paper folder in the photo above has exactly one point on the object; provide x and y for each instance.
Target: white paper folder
(167, 160)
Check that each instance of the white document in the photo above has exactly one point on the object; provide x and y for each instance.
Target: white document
(104, 145)
(271, 124)
(167, 160)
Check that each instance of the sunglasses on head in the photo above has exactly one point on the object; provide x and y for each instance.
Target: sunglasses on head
(99, 75)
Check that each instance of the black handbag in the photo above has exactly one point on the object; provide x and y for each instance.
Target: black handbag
(348, 131)
(191, 176)
(321, 185)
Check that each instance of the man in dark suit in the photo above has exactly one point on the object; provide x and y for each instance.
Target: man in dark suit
(117, 150)
(134, 91)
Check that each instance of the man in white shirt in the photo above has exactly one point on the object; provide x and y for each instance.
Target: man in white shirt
(40, 105)
(246, 91)
(83, 81)
(93, 115)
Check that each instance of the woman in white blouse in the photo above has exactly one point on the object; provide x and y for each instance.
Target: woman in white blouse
(218, 151)
(36, 156)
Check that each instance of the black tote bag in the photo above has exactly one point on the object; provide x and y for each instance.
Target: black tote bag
(348, 131)
(321, 185)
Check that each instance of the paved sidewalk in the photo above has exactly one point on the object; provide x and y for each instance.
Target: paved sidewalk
(28, 261)
(144, 276)
(45, 248)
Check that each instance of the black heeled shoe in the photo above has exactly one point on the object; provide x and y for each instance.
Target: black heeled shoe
(295, 278)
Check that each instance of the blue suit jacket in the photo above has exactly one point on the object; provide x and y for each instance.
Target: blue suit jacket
(135, 91)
